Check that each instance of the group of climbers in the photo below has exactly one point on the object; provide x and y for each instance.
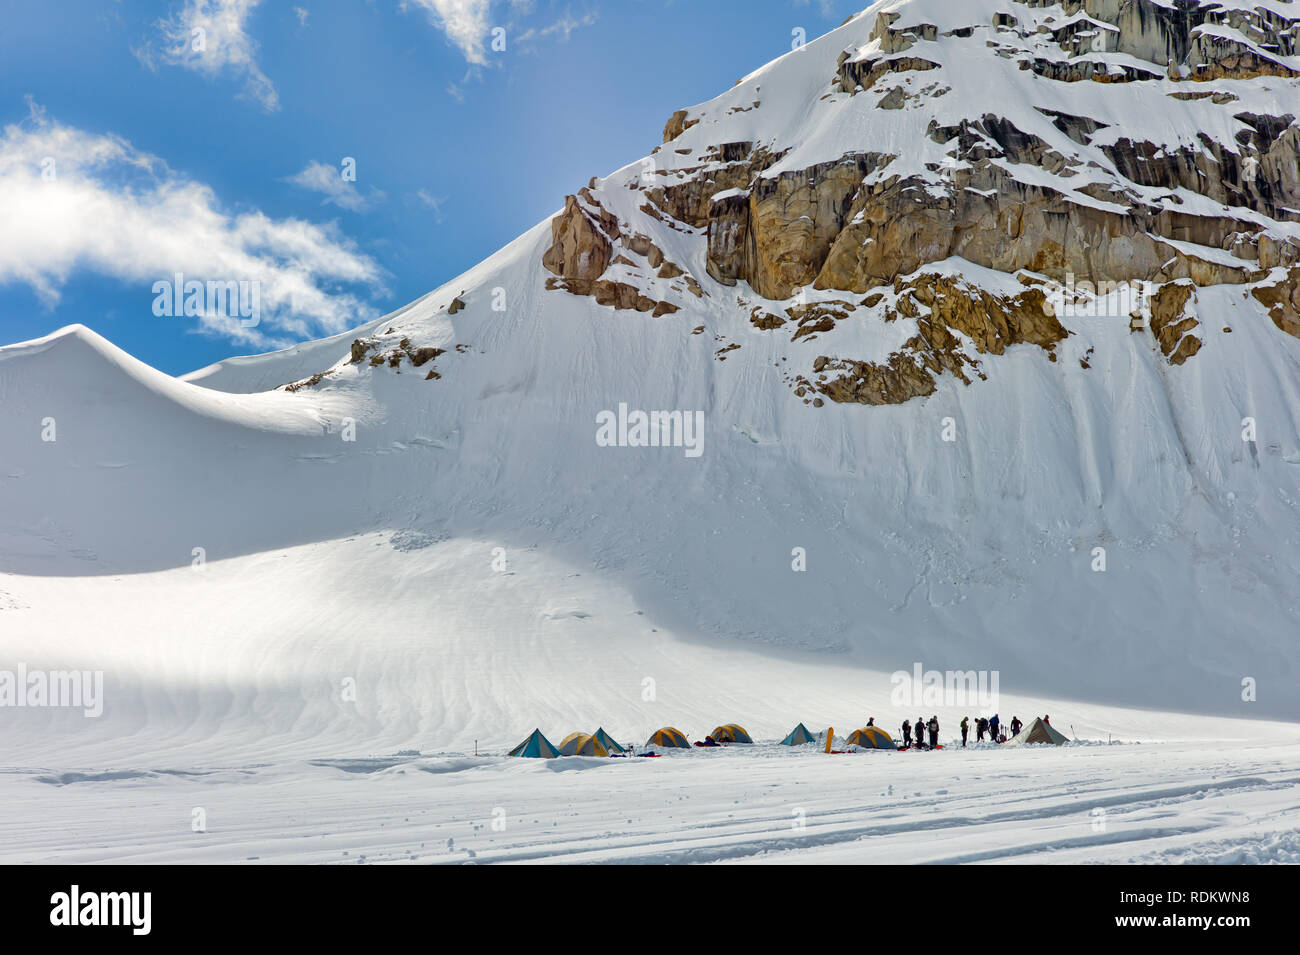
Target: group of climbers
(992, 726)
(922, 727)
(914, 734)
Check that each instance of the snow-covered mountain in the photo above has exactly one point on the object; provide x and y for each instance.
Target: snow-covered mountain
(868, 272)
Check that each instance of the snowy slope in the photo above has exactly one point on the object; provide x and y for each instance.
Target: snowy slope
(378, 560)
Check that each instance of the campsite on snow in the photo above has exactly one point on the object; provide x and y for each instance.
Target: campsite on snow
(944, 369)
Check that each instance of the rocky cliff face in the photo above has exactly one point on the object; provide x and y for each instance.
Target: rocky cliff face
(1084, 144)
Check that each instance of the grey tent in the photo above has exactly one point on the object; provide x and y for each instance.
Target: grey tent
(1037, 732)
(798, 736)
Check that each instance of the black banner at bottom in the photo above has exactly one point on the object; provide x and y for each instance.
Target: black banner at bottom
(335, 903)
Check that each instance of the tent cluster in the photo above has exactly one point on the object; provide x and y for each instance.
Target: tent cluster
(601, 743)
(672, 738)
(1037, 731)
(598, 743)
(869, 737)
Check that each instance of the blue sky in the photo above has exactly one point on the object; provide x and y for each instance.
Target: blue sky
(208, 138)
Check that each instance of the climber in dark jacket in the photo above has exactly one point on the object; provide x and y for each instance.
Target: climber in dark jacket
(918, 730)
(934, 732)
(1016, 726)
(993, 728)
(907, 734)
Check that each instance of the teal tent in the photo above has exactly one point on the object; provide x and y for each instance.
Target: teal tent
(607, 741)
(536, 746)
(798, 736)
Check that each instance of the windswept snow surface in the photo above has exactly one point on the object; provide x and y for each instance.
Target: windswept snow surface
(1174, 803)
(272, 582)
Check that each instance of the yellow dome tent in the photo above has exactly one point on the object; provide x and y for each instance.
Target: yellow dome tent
(730, 733)
(871, 737)
(580, 744)
(669, 738)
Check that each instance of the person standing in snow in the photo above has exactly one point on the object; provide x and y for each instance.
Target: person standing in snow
(907, 734)
(993, 728)
(1047, 720)
(871, 721)
(965, 730)
(918, 728)
(981, 724)
(934, 732)
(1016, 726)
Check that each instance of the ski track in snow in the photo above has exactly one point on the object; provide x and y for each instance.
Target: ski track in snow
(1174, 802)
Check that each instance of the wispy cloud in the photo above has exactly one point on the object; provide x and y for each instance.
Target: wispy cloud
(329, 180)
(469, 25)
(76, 201)
(465, 22)
(562, 28)
(211, 37)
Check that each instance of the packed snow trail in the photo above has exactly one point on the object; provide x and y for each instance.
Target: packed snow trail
(1079, 804)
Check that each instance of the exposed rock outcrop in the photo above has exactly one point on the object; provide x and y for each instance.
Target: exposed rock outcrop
(585, 243)
(620, 296)
(1173, 320)
(677, 124)
(582, 239)
(1282, 299)
(943, 306)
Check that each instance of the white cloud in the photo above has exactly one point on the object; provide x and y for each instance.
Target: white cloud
(466, 23)
(211, 37)
(301, 13)
(74, 201)
(324, 178)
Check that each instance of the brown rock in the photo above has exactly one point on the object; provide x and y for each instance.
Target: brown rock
(993, 322)
(581, 241)
(1283, 301)
(677, 124)
(1173, 321)
(359, 351)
